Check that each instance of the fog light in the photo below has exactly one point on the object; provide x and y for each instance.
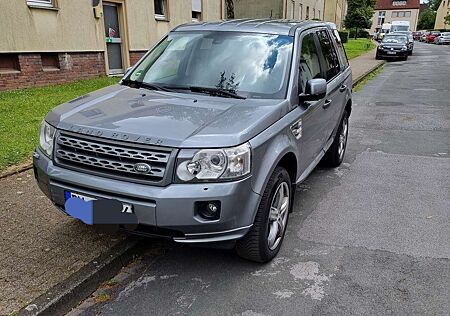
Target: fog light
(209, 210)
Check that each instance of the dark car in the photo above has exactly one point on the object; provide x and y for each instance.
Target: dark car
(410, 44)
(393, 46)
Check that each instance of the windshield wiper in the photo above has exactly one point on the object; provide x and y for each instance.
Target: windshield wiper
(145, 85)
(216, 92)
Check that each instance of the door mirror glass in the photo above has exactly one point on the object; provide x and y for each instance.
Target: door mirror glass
(315, 90)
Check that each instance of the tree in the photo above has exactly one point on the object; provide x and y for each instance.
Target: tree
(447, 19)
(426, 20)
(359, 14)
(434, 4)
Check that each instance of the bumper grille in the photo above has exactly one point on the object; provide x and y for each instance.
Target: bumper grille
(113, 160)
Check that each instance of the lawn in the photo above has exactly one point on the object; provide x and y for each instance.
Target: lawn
(355, 48)
(21, 112)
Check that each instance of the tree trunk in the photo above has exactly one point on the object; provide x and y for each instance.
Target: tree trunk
(356, 33)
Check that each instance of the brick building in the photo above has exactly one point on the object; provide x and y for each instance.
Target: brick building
(55, 41)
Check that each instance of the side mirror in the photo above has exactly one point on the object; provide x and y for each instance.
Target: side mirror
(316, 89)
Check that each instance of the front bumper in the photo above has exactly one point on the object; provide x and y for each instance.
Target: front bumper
(166, 211)
(385, 53)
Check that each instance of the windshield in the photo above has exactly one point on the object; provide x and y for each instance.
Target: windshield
(251, 65)
(395, 39)
(445, 34)
(399, 28)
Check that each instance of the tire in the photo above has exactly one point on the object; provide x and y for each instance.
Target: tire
(377, 57)
(335, 154)
(256, 246)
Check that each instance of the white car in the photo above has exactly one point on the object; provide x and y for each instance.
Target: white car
(442, 39)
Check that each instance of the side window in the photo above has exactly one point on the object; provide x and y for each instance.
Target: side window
(340, 48)
(332, 67)
(309, 61)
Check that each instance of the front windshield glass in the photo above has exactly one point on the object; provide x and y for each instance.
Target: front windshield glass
(248, 64)
(397, 28)
(395, 39)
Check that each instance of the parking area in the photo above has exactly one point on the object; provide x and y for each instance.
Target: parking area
(370, 237)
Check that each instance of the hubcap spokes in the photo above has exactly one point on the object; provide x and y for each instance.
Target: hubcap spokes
(278, 215)
(343, 138)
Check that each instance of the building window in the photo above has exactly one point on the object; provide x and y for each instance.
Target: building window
(9, 63)
(50, 61)
(293, 9)
(307, 13)
(319, 15)
(395, 14)
(41, 3)
(381, 17)
(196, 10)
(407, 14)
(300, 11)
(314, 13)
(161, 9)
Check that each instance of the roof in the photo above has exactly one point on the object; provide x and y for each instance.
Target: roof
(269, 26)
(396, 4)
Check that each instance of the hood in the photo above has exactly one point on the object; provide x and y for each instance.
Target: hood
(166, 118)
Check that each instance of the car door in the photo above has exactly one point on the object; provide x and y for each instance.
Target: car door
(310, 140)
(335, 99)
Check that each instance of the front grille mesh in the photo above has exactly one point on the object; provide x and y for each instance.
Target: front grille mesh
(114, 160)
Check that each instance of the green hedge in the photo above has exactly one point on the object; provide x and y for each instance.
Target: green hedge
(361, 34)
(344, 36)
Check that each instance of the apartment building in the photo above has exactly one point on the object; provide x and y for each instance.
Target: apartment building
(442, 12)
(387, 11)
(324, 10)
(55, 41)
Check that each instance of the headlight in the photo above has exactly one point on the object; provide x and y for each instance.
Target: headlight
(214, 164)
(404, 48)
(46, 138)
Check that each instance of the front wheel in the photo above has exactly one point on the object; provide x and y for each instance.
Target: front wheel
(335, 154)
(263, 241)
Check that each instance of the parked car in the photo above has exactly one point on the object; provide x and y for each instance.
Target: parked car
(205, 138)
(417, 35)
(393, 46)
(410, 40)
(432, 36)
(425, 36)
(443, 38)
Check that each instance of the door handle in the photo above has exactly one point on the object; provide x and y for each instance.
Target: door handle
(343, 88)
(326, 104)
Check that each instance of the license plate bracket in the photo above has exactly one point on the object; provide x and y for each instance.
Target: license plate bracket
(92, 210)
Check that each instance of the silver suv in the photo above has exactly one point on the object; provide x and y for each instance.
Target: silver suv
(205, 138)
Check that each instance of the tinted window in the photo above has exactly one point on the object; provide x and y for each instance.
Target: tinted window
(340, 48)
(332, 67)
(309, 61)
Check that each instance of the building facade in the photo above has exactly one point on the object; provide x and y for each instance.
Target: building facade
(55, 41)
(324, 10)
(387, 11)
(442, 12)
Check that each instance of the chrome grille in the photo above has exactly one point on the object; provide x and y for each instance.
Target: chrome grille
(115, 160)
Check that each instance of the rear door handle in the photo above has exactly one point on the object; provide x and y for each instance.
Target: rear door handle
(343, 88)
(326, 104)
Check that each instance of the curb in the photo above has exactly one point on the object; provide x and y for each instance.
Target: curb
(67, 294)
(19, 169)
(363, 76)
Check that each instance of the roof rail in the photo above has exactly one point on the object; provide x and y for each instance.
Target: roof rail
(232, 21)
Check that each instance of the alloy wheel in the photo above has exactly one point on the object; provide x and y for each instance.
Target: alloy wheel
(278, 215)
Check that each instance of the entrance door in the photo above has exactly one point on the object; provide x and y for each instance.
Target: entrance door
(113, 38)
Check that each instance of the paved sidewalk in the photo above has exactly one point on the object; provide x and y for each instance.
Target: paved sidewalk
(361, 65)
(39, 246)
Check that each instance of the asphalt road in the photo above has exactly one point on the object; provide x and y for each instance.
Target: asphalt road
(368, 238)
